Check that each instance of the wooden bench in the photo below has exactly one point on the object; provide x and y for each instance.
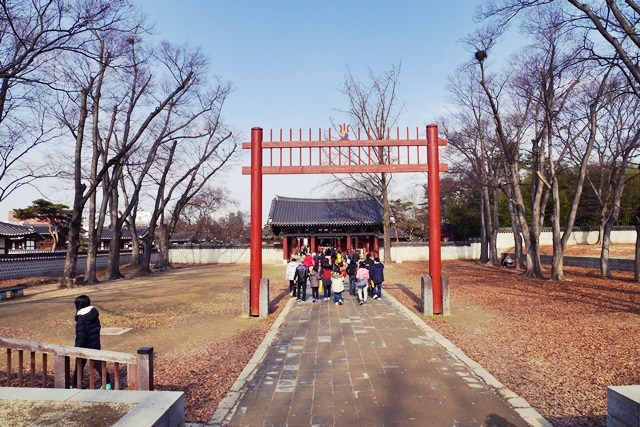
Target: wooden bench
(13, 291)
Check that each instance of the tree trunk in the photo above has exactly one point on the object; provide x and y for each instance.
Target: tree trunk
(73, 244)
(145, 261)
(495, 225)
(605, 271)
(517, 242)
(636, 270)
(163, 246)
(113, 265)
(484, 247)
(135, 247)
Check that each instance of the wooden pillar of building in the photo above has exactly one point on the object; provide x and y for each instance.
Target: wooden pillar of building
(312, 244)
(285, 248)
(349, 245)
(376, 245)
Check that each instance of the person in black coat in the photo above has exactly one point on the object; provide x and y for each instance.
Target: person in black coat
(376, 274)
(88, 334)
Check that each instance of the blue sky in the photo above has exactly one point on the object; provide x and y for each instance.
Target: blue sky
(287, 60)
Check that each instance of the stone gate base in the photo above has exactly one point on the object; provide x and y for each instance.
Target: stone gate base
(427, 296)
(246, 297)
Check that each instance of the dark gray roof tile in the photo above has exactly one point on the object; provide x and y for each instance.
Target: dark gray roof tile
(288, 211)
(14, 230)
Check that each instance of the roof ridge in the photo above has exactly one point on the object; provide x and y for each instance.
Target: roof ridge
(324, 199)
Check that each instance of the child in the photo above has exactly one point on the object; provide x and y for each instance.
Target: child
(88, 335)
(326, 279)
(314, 281)
(337, 286)
(362, 280)
(352, 268)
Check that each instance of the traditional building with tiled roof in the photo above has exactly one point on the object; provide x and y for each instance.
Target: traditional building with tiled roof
(16, 237)
(345, 224)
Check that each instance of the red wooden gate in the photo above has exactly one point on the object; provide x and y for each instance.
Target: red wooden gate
(371, 152)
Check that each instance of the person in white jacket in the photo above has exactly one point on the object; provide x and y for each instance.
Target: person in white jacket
(337, 286)
(289, 275)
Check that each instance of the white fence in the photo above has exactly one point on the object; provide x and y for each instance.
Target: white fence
(239, 254)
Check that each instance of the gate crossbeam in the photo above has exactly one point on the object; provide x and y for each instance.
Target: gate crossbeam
(344, 155)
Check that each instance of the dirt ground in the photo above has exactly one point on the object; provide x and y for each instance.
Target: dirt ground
(558, 345)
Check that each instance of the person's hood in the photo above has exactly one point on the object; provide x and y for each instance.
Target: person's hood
(89, 311)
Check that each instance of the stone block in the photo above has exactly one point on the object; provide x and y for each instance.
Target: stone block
(246, 301)
(427, 296)
(264, 297)
(623, 406)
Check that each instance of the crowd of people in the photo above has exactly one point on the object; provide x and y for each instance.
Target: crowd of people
(329, 271)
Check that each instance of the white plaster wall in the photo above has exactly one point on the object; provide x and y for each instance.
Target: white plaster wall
(505, 239)
(399, 253)
(221, 255)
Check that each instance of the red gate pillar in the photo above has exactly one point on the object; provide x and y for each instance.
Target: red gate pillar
(255, 262)
(349, 244)
(433, 182)
(312, 244)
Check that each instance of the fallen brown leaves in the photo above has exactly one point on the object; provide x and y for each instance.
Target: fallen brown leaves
(558, 345)
(206, 373)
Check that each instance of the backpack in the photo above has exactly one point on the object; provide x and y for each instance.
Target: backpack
(303, 273)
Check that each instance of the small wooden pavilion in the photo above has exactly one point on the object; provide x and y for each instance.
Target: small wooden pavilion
(345, 224)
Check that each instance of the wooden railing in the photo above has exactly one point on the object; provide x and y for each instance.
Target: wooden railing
(139, 367)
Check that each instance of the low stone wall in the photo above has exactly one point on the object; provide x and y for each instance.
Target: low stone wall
(222, 254)
(578, 237)
(15, 266)
(239, 254)
(576, 261)
(400, 251)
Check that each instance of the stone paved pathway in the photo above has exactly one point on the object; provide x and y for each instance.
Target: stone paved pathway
(367, 365)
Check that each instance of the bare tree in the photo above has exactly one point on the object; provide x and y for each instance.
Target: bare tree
(511, 128)
(185, 118)
(182, 173)
(613, 21)
(618, 145)
(184, 150)
(373, 107)
(75, 114)
(470, 133)
(32, 35)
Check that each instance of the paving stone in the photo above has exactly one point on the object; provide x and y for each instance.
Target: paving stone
(365, 365)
